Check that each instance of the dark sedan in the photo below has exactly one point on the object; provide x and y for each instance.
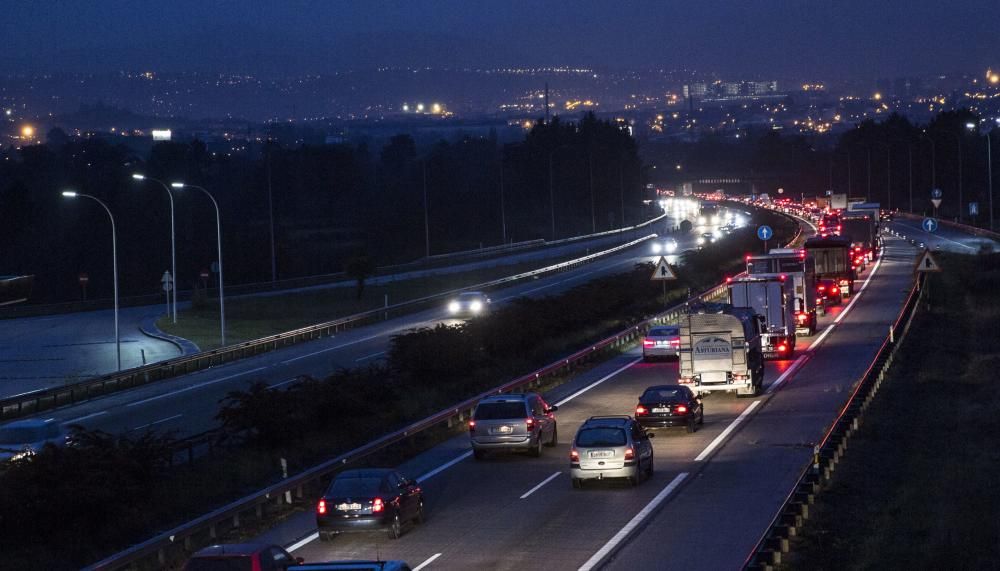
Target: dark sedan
(369, 500)
(669, 405)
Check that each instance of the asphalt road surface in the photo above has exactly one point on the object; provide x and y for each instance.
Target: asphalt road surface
(945, 238)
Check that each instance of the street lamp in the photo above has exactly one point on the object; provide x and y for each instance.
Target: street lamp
(218, 236)
(552, 194)
(173, 240)
(989, 165)
(114, 264)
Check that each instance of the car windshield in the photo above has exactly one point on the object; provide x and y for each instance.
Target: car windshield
(355, 487)
(601, 436)
(21, 434)
(499, 410)
(664, 331)
(469, 296)
(233, 563)
(662, 395)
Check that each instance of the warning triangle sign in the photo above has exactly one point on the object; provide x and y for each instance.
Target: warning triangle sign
(663, 271)
(927, 263)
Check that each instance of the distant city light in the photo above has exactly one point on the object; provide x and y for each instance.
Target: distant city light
(27, 132)
(406, 107)
(436, 108)
(877, 96)
(162, 134)
(420, 107)
(8, 112)
(995, 78)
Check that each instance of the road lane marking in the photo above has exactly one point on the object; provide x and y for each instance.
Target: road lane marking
(836, 320)
(427, 562)
(283, 383)
(608, 547)
(597, 382)
(369, 356)
(820, 339)
(328, 349)
(87, 417)
(794, 367)
(193, 387)
(162, 420)
(443, 467)
(938, 236)
(536, 488)
(304, 541)
(732, 426)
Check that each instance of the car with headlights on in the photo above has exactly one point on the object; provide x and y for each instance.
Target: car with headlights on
(369, 499)
(24, 438)
(610, 447)
(661, 341)
(705, 239)
(662, 406)
(469, 304)
(513, 422)
(664, 247)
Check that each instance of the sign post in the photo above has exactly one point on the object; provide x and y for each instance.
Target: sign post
(765, 233)
(84, 279)
(168, 285)
(663, 273)
(936, 200)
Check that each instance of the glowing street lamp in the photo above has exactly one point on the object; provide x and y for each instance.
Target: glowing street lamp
(173, 241)
(218, 236)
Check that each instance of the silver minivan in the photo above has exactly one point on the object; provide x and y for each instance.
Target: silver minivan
(611, 447)
(512, 422)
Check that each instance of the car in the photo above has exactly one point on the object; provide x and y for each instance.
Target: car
(705, 239)
(469, 304)
(666, 247)
(369, 499)
(661, 406)
(661, 341)
(241, 557)
(23, 438)
(382, 565)
(513, 422)
(827, 292)
(610, 447)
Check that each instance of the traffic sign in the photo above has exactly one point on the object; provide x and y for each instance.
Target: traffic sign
(84, 278)
(936, 193)
(764, 232)
(168, 281)
(663, 271)
(973, 209)
(927, 263)
(936, 202)
(929, 225)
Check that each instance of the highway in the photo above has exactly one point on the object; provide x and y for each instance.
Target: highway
(188, 404)
(945, 238)
(713, 492)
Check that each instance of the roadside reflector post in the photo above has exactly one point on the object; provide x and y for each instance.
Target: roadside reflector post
(892, 334)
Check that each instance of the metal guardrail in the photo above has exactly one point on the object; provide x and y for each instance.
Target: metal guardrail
(209, 526)
(795, 508)
(36, 401)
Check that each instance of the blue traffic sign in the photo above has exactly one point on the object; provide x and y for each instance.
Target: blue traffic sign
(929, 225)
(764, 232)
(936, 193)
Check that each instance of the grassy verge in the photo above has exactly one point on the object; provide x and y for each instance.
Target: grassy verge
(918, 487)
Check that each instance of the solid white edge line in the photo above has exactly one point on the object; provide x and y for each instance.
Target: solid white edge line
(598, 381)
(162, 420)
(369, 356)
(427, 562)
(791, 369)
(86, 417)
(864, 286)
(443, 467)
(194, 387)
(283, 383)
(821, 337)
(536, 488)
(603, 552)
(304, 541)
(732, 426)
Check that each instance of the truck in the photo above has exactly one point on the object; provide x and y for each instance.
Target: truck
(720, 349)
(800, 270)
(862, 231)
(772, 298)
(832, 260)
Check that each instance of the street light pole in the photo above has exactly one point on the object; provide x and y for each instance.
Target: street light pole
(218, 237)
(173, 240)
(427, 227)
(590, 171)
(503, 213)
(989, 173)
(114, 264)
(552, 197)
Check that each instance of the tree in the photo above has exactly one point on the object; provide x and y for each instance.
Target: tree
(360, 268)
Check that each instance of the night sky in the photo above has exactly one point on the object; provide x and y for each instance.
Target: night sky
(858, 39)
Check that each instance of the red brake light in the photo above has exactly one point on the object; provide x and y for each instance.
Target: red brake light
(648, 343)
(729, 280)
(783, 277)
(629, 454)
(680, 408)
(530, 423)
(321, 507)
(377, 505)
(640, 410)
(782, 348)
(472, 426)
(748, 257)
(574, 456)
(833, 289)
(821, 288)
(803, 317)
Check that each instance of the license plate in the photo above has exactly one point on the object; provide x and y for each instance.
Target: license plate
(663, 343)
(601, 453)
(347, 507)
(661, 409)
(505, 429)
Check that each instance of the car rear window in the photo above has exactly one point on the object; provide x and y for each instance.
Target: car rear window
(662, 395)
(354, 487)
(664, 331)
(499, 410)
(232, 563)
(601, 436)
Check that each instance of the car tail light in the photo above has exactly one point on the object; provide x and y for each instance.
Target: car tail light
(472, 426)
(321, 507)
(802, 317)
(530, 424)
(641, 410)
(574, 456)
(680, 408)
(782, 348)
(834, 289)
(377, 505)
(648, 343)
(821, 288)
(629, 454)
(729, 280)
(675, 342)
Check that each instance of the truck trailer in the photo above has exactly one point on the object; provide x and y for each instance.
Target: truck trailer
(800, 270)
(720, 350)
(832, 258)
(772, 298)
